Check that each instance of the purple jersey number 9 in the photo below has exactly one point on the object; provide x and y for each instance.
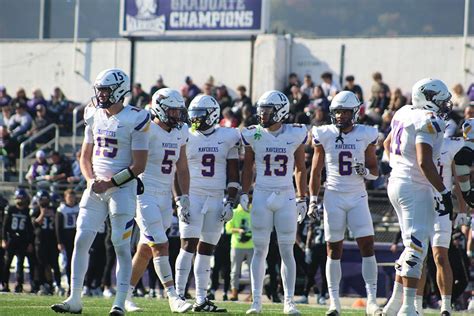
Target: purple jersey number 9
(345, 165)
(105, 146)
(208, 161)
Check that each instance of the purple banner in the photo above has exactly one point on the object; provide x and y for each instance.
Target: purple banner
(191, 17)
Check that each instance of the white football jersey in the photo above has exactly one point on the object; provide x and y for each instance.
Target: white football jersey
(207, 159)
(450, 148)
(341, 151)
(115, 137)
(69, 215)
(409, 127)
(164, 151)
(274, 155)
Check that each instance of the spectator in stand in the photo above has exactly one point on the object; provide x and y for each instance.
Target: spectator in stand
(211, 86)
(378, 86)
(207, 89)
(158, 85)
(318, 99)
(385, 123)
(40, 121)
(378, 105)
(308, 85)
(397, 100)
(228, 118)
(329, 86)
(139, 98)
(38, 170)
(65, 223)
(223, 97)
(241, 101)
(355, 88)
(248, 118)
(460, 99)
(363, 118)
(470, 92)
(59, 171)
(468, 112)
(17, 239)
(5, 99)
(319, 117)
(298, 102)
(9, 149)
(38, 98)
(189, 90)
(77, 178)
(20, 97)
(7, 114)
(292, 81)
(20, 122)
(58, 108)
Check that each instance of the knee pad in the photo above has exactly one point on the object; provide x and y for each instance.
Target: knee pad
(411, 262)
(122, 226)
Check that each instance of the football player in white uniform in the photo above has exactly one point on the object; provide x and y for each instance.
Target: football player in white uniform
(212, 153)
(167, 155)
(415, 144)
(276, 149)
(114, 153)
(348, 152)
(463, 161)
(441, 234)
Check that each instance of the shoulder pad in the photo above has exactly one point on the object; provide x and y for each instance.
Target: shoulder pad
(142, 120)
(429, 123)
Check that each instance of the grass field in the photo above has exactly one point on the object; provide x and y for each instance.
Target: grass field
(23, 304)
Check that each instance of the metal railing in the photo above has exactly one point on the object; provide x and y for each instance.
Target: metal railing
(75, 124)
(30, 140)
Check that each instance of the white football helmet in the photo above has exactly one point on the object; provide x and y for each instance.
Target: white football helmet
(167, 99)
(204, 112)
(116, 81)
(344, 100)
(432, 95)
(273, 104)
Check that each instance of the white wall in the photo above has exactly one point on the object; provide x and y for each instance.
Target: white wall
(402, 61)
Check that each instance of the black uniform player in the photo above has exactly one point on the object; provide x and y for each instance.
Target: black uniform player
(17, 238)
(46, 247)
(65, 223)
(3, 205)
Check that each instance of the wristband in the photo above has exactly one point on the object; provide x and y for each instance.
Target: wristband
(234, 185)
(444, 192)
(122, 177)
(370, 176)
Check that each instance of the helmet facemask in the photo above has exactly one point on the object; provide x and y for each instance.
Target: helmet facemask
(171, 116)
(200, 118)
(110, 100)
(266, 115)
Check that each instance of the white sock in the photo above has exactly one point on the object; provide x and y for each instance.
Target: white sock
(446, 303)
(409, 295)
(419, 304)
(333, 275)
(123, 273)
(183, 267)
(369, 273)
(163, 270)
(79, 263)
(257, 269)
(395, 301)
(288, 270)
(202, 274)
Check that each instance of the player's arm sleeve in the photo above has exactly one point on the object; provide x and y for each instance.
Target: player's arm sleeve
(88, 135)
(247, 135)
(140, 133)
(426, 130)
(234, 146)
(6, 225)
(302, 134)
(316, 136)
(372, 135)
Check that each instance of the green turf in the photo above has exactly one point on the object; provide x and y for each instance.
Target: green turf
(23, 304)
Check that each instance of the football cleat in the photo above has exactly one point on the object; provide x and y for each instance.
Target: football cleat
(178, 305)
(373, 309)
(116, 311)
(65, 307)
(208, 307)
(131, 307)
(289, 308)
(255, 308)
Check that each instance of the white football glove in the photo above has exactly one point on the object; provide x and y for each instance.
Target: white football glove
(461, 219)
(301, 208)
(244, 201)
(182, 202)
(360, 169)
(313, 212)
(228, 210)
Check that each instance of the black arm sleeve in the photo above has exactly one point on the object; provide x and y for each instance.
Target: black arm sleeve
(59, 221)
(6, 225)
(397, 238)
